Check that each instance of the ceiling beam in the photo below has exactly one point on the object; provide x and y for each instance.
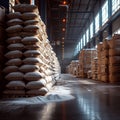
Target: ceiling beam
(75, 26)
(75, 11)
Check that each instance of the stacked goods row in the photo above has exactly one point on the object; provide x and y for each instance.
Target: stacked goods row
(94, 68)
(73, 68)
(105, 61)
(99, 51)
(85, 58)
(89, 74)
(56, 68)
(2, 44)
(114, 59)
(30, 66)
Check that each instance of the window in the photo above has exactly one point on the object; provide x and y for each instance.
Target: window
(81, 43)
(87, 35)
(97, 23)
(115, 5)
(83, 40)
(91, 30)
(79, 46)
(105, 12)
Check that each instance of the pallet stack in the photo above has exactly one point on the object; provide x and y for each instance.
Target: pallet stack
(94, 68)
(86, 56)
(30, 67)
(105, 62)
(114, 59)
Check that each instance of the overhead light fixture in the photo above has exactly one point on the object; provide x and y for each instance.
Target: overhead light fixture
(63, 20)
(64, 2)
(63, 38)
(63, 29)
(57, 42)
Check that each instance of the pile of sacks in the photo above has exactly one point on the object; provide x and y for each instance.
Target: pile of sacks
(30, 65)
(114, 59)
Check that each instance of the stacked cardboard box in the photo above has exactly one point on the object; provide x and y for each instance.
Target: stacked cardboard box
(105, 61)
(114, 59)
(94, 68)
(85, 58)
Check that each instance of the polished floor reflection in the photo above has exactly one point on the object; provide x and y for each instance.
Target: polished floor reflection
(71, 99)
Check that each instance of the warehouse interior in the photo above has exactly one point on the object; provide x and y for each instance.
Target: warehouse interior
(59, 59)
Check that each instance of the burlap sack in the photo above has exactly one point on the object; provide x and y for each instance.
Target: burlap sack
(32, 47)
(16, 46)
(28, 68)
(105, 78)
(49, 85)
(25, 8)
(16, 85)
(36, 84)
(14, 34)
(99, 46)
(32, 61)
(29, 34)
(13, 22)
(10, 69)
(31, 22)
(13, 54)
(114, 60)
(105, 44)
(15, 15)
(30, 40)
(114, 52)
(31, 53)
(14, 29)
(31, 28)
(114, 78)
(14, 62)
(30, 16)
(16, 39)
(14, 76)
(32, 76)
(114, 43)
(114, 69)
(35, 92)
(48, 78)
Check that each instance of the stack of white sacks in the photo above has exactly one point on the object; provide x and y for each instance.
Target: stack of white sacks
(32, 67)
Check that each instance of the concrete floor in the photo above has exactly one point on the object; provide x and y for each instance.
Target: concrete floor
(72, 99)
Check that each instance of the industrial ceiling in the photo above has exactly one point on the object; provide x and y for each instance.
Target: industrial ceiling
(77, 14)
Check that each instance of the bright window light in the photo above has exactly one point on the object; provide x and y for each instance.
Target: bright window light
(105, 12)
(87, 35)
(115, 5)
(97, 21)
(91, 30)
